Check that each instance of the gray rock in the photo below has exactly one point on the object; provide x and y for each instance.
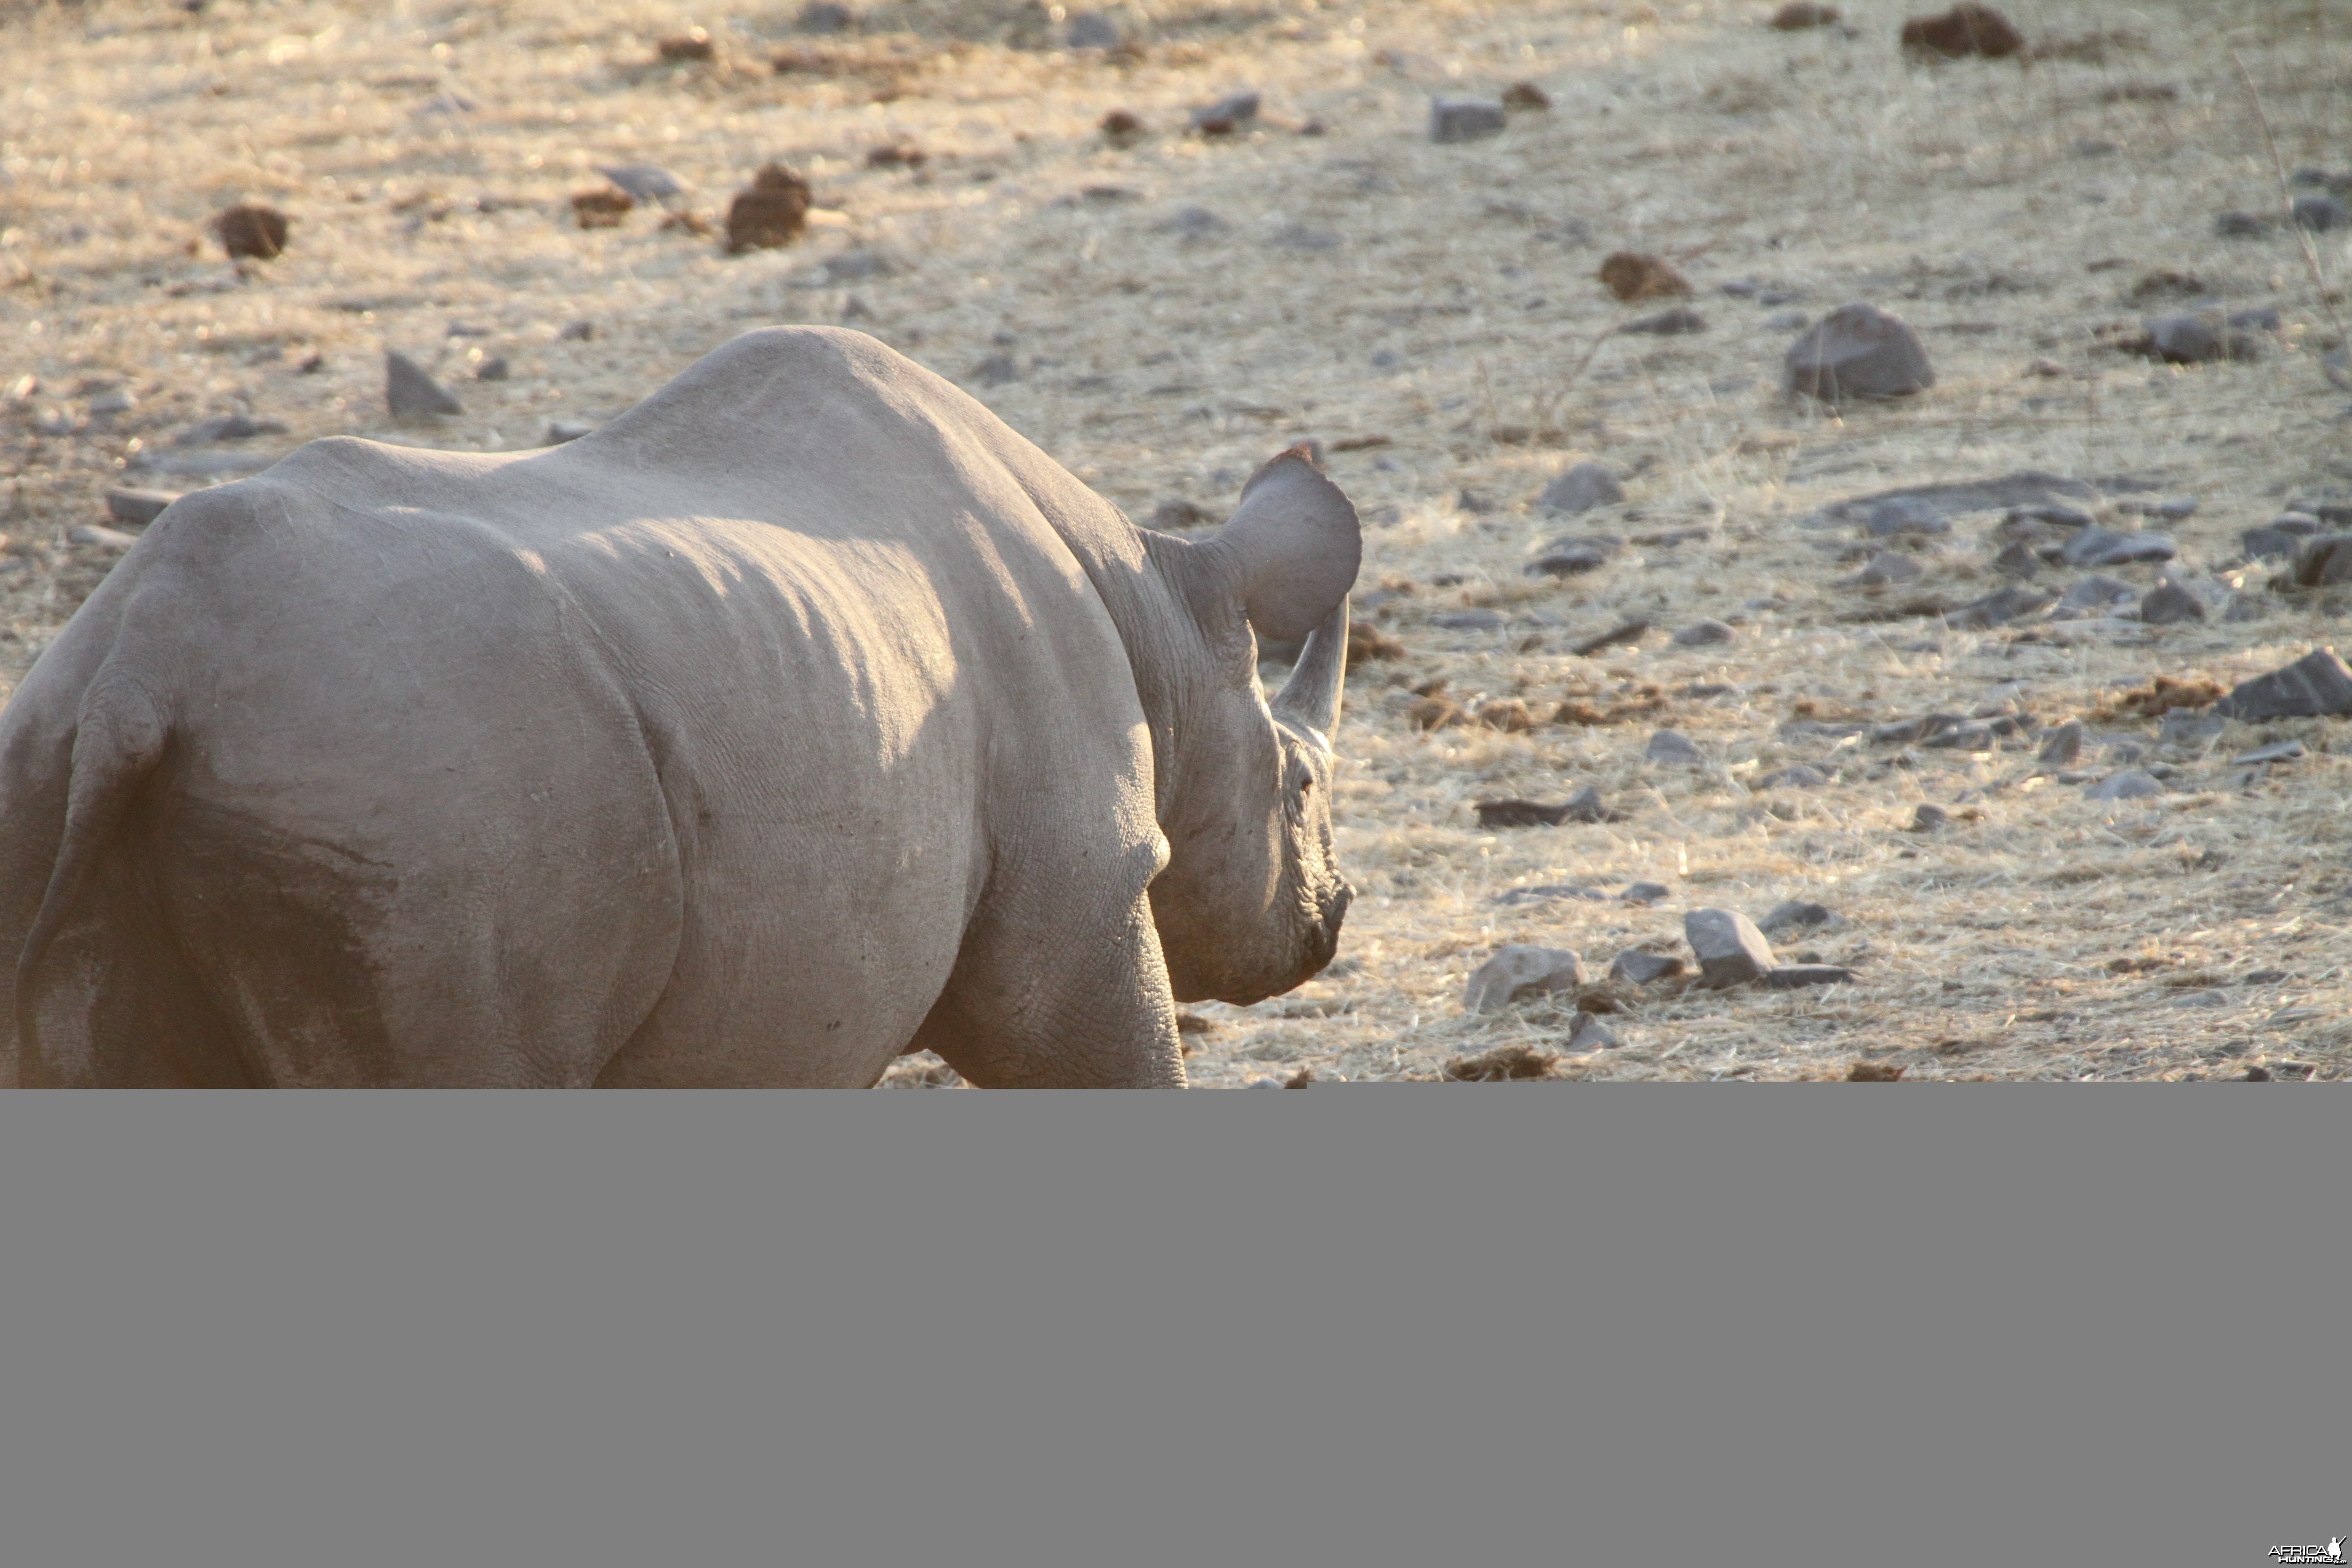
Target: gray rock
(409, 392)
(644, 181)
(1587, 1033)
(2246, 608)
(1731, 951)
(581, 332)
(1787, 321)
(1569, 558)
(1887, 568)
(1465, 120)
(560, 431)
(2096, 593)
(112, 401)
(1675, 321)
(1585, 805)
(2258, 319)
(2320, 214)
(2171, 509)
(2017, 560)
(495, 368)
(825, 16)
(854, 266)
(137, 505)
(102, 536)
(2186, 727)
(1387, 358)
(1859, 351)
(1796, 775)
(2186, 339)
(2130, 785)
(996, 370)
(1549, 893)
(2276, 751)
(1469, 620)
(2013, 603)
(2241, 225)
(1797, 976)
(2063, 747)
(227, 427)
(1194, 223)
(1646, 893)
(1091, 30)
(1963, 738)
(2168, 603)
(2324, 560)
(1703, 634)
(2117, 547)
(1796, 915)
(1518, 972)
(1229, 112)
(1638, 968)
(2281, 536)
(1581, 489)
(1899, 515)
(1929, 818)
(1673, 747)
(2315, 686)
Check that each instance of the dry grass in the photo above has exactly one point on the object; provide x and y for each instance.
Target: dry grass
(2007, 211)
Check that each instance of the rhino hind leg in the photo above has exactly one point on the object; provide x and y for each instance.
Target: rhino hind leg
(1059, 1004)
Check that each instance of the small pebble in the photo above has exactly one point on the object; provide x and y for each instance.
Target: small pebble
(2320, 214)
(1858, 351)
(2063, 748)
(1797, 976)
(1646, 893)
(1587, 1033)
(1703, 634)
(1638, 968)
(2168, 604)
(1675, 321)
(410, 393)
(1518, 972)
(495, 368)
(1465, 120)
(1227, 115)
(2276, 751)
(1796, 915)
(1581, 489)
(2133, 784)
(1928, 818)
(1675, 749)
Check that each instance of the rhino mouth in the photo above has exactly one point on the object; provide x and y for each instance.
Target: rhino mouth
(1323, 938)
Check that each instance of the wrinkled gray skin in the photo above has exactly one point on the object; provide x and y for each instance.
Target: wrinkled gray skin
(802, 717)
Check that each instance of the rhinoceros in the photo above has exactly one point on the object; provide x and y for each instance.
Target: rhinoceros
(802, 717)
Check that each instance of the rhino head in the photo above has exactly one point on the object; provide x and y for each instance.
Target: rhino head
(1252, 898)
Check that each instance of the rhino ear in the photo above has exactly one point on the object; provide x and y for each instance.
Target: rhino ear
(1294, 544)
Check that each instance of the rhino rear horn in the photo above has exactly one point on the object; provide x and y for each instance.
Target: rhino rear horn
(1311, 696)
(1295, 545)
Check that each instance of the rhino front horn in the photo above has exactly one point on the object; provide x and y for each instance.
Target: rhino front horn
(1310, 698)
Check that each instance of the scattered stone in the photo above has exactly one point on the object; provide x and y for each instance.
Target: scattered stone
(1962, 738)
(1797, 976)
(771, 212)
(1796, 915)
(1503, 1063)
(1873, 1072)
(2324, 560)
(1731, 951)
(1967, 29)
(1631, 275)
(226, 427)
(2133, 784)
(1900, 515)
(409, 392)
(1123, 127)
(1796, 775)
(1525, 96)
(2098, 546)
(2276, 751)
(2096, 593)
(2184, 339)
(694, 44)
(1584, 805)
(600, 208)
(1787, 321)
(1624, 632)
(2281, 536)
(2242, 226)
(1638, 968)
(1929, 818)
(579, 331)
(2319, 214)
(2168, 604)
(495, 368)
(1549, 892)
(136, 505)
(114, 402)
(644, 181)
(1092, 30)
(1465, 120)
(1581, 489)
(2026, 488)
(2315, 686)
(1227, 115)
(1587, 1033)
(103, 537)
(2063, 746)
(1569, 558)
(1798, 15)
(2017, 559)
(250, 230)
(1675, 321)
(1468, 621)
(825, 16)
(1703, 634)
(1646, 893)
(2187, 728)
(1519, 972)
(560, 431)
(1858, 351)
(1887, 568)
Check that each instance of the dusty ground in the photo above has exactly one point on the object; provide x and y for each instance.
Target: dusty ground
(1430, 313)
